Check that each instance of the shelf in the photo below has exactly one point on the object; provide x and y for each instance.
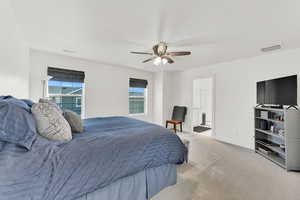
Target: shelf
(276, 159)
(267, 143)
(276, 149)
(270, 109)
(271, 120)
(269, 133)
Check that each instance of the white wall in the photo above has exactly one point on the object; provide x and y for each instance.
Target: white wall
(14, 68)
(158, 98)
(106, 87)
(235, 91)
(168, 98)
(163, 99)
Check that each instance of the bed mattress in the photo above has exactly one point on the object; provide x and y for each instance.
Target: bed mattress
(110, 149)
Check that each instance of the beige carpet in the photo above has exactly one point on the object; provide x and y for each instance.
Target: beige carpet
(219, 171)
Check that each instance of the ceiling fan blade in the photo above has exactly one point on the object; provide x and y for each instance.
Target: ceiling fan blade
(150, 59)
(170, 60)
(179, 53)
(142, 53)
(155, 50)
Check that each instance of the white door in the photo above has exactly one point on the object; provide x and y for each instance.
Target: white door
(202, 101)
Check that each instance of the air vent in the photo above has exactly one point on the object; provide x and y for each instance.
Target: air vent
(271, 48)
(68, 51)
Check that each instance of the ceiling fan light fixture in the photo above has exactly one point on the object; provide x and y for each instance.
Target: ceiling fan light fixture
(164, 61)
(160, 55)
(162, 48)
(157, 61)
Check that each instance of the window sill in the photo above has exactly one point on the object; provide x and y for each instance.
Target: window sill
(138, 114)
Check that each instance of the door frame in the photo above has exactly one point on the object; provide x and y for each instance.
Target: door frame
(213, 77)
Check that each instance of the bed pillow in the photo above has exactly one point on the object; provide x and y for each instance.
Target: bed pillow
(17, 125)
(74, 121)
(50, 123)
(52, 104)
(18, 102)
(28, 102)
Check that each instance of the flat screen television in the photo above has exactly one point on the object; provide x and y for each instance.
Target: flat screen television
(281, 91)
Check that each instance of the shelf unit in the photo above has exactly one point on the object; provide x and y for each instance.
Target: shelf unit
(273, 158)
(274, 148)
(281, 148)
(269, 133)
(271, 120)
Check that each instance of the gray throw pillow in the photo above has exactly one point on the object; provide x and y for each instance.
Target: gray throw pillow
(74, 121)
(50, 123)
(52, 104)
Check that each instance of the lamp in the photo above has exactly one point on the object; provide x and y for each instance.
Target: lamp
(157, 61)
(164, 61)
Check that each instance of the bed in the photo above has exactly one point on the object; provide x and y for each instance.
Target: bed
(116, 158)
(140, 186)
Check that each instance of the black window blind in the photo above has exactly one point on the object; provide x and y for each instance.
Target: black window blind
(138, 83)
(66, 75)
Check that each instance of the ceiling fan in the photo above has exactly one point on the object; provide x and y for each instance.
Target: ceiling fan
(160, 54)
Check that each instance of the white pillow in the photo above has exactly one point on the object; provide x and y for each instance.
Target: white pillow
(50, 123)
(52, 104)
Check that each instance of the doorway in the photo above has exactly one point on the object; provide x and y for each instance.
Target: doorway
(202, 111)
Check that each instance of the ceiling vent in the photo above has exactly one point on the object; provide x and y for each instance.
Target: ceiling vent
(68, 51)
(271, 48)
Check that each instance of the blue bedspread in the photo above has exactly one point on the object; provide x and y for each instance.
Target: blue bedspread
(109, 149)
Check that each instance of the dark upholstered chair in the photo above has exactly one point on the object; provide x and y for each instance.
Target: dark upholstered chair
(178, 117)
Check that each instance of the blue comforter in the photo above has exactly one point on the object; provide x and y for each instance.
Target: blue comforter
(109, 149)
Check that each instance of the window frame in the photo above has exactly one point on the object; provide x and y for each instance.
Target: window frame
(82, 97)
(145, 102)
(76, 101)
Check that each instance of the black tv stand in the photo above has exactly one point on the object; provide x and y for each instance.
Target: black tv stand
(277, 107)
(274, 107)
(292, 107)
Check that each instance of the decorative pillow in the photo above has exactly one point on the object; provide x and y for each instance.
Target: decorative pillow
(16, 125)
(52, 104)
(74, 121)
(50, 123)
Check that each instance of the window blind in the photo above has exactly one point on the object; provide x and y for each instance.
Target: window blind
(66, 75)
(138, 83)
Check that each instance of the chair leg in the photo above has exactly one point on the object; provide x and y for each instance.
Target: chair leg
(180, 127)
(175, 128)
(166, 124)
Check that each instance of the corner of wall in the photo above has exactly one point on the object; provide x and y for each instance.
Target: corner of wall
(14, 55)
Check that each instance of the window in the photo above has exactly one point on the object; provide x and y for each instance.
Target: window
(65, 88)
(137, 96)
(78, 102)
(136, 100)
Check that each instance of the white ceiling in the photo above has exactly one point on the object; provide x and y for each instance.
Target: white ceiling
(106, 30)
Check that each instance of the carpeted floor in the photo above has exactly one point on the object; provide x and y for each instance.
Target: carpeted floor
(219, 171)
